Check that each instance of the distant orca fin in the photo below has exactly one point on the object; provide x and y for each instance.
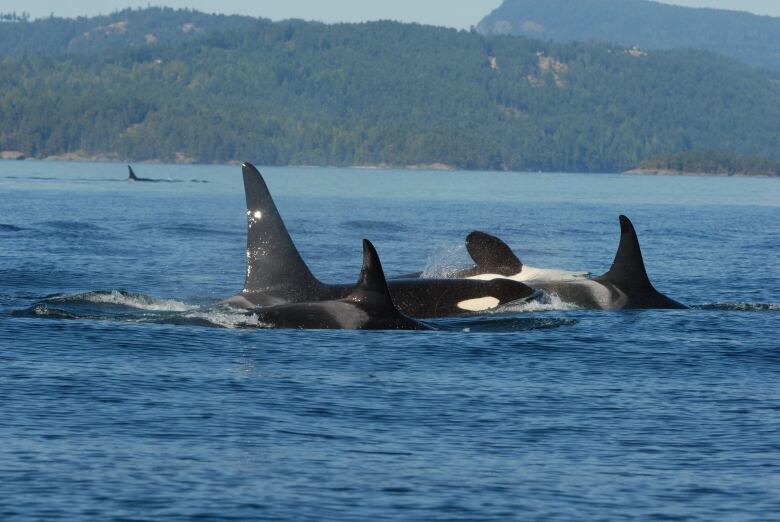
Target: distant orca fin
(132, 175)
(492, 255)
(273, 261)
(628, 268)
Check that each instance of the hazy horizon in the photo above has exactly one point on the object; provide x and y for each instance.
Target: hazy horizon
(461, 15)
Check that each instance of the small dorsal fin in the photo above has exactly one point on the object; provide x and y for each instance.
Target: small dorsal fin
(372, 277)
(273, 261)
(132, 175)
(492, 255)
(628, 268)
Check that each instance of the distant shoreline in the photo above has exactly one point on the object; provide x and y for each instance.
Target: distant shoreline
(76, 157)
(182, 159)
(672, 172)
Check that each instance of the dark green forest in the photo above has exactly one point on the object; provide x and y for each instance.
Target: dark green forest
(385, 93)
(752, 39)
(713, 162)
(20, 36)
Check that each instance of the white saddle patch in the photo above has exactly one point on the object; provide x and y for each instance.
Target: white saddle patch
(530, 273)
(479, 305)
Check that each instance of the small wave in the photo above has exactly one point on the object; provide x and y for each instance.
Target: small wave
(374, 226)
(34, 178)
(9, 228)
(72, 226)
(740, 307)
(507, 324)
(41, 310)
(195, 229)
(143, 309)
(122, 298)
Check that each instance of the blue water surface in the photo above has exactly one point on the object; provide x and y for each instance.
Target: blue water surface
(126, 394)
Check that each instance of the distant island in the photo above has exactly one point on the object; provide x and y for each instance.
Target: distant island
(168, 85)
(709, 163)
(645, 24)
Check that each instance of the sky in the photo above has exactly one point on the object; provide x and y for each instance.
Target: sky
(461, 14)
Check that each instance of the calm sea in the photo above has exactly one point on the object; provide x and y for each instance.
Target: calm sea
(125, 394)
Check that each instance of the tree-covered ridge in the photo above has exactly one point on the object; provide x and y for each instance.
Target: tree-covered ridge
(20, 36)
(752, 39)
(386, 93)
(712, 162)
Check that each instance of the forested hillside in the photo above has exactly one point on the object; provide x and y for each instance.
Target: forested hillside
(752, 39)
(20, 36)
(711, 162)
(386, 93)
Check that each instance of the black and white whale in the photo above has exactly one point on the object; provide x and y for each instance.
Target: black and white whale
(276, 273)
(625, 285)
(369, 306)
(493, 259)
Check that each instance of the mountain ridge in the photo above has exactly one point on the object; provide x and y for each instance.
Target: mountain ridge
(752, 39)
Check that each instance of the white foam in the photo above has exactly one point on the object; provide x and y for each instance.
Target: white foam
(544, 302)
(228, 319)
(742, 307)
(139, 301)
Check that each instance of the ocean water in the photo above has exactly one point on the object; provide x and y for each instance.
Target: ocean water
(127, 394)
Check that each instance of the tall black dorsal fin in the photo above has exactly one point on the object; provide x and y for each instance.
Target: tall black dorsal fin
(492, 255)
(273, 262)
(628, 268)
(132, 175)
(372, 277)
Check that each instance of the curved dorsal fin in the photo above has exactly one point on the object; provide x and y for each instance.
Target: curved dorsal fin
(492, 255)
(628, 268)
(132, 175)
(273, 263)
(372, 278)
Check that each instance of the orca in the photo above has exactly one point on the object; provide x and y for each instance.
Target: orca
(625, 286)
(369, 306)
(493, 258)
(133, 177)
(277, 274)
